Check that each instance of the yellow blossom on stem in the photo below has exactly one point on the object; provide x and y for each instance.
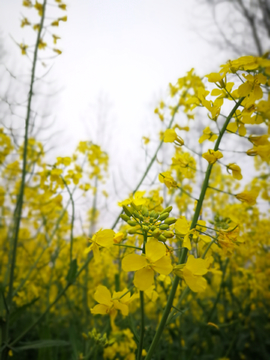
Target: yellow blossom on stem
(155, 259)
(137, 199)
(118, 237)
(108, 304)
(236, 171)
(212, 156)
(171, 136)
(262, 150)
(167, 179)
(23, 48)
(103, 238)
(248, 197)
(207, 135)
(192, 273)
(25, 22)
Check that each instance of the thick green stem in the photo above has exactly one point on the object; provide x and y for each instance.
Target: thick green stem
(184, 252)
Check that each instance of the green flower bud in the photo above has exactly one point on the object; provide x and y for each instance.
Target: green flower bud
(133, 230)
(127, 210)
(170, 220)
(152, 214)
(136, 214)
(167, 209)
(163, 216)
(164, 227)
(156, 233)
(162, 238)
(168, 234)
(145, 228)
(124, 217)
(153, 228)
(145, 212)
(132, 222)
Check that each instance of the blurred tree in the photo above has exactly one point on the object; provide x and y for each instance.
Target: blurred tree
(243, 25)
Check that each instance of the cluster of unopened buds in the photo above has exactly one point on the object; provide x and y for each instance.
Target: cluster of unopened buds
(155, 224)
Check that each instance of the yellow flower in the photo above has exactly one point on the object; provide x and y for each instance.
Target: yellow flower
(42, 44)
(167, 179)
(59, 52)
(108, 304)
(103, 238)
(23, 48)
(146, 140)
(207, 135)
(248, 197)
(118, 237)
(214, 77)
(155, 259)
(236, 171)
(137, 199)
(262, 150)
(212, 156)
(192, 273)
(25, 22)
(171, 136)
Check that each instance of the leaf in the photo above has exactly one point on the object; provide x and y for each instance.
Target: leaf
(21, 310)
(39, 344)
(71, 276)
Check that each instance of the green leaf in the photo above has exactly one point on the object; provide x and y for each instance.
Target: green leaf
(71, 276)
(21, 310)
(39, 344)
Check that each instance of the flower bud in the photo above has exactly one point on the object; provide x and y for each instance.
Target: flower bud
(132, 222)
(124, 217)
(163, 216)
(170, 220)
(167, 209)
(164, 227)
(127, 210)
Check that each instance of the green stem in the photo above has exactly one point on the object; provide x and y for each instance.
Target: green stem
(140, 347)
(20, 198)
(183, 256)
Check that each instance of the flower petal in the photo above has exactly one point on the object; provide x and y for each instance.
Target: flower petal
(103, 295)
(133, 262)
(144, 278)
(154, 250)
(163, 265)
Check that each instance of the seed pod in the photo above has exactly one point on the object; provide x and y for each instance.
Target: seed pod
(127, 210)
(162, 238)
(163, 216)
(132, 222)
(168, 234)
(170, 220)
(124, 217)
(167, 209)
